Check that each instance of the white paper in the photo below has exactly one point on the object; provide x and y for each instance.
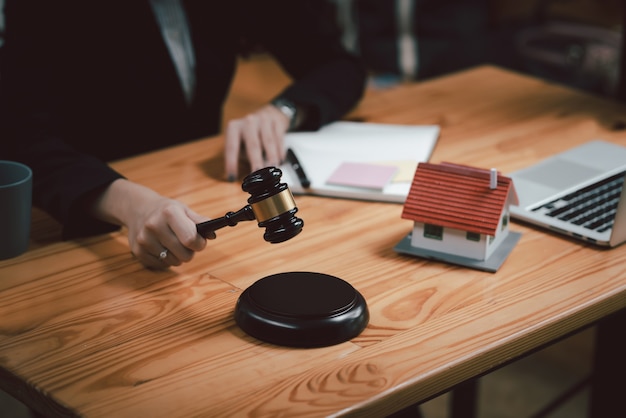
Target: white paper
(321, 152)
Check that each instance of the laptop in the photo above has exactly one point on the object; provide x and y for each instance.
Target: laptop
(579, 192)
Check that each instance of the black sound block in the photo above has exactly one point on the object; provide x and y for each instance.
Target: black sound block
(302, 309)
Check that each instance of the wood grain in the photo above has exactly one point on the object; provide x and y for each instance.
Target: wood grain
(86, 331)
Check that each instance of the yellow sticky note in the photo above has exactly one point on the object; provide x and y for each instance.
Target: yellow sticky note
(405, 170)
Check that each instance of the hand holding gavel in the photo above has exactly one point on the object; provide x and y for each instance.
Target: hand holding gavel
(270, 203)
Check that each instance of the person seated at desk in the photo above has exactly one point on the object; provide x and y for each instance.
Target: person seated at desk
(85, 83)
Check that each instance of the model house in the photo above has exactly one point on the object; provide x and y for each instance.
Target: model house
(459, 210)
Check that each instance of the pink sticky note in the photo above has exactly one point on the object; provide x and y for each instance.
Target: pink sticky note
(370, 176)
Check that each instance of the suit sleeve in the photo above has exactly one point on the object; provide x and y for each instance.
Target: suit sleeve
(31, 94)
(328, 80)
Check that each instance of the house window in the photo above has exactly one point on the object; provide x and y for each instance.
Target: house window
(472, 236)
(433, 231)
(505, 220)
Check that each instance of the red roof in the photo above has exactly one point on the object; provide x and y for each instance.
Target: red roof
(457, 196)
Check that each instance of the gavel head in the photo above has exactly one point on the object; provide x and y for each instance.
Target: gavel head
(272, 204)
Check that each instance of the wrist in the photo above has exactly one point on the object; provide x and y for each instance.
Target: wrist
(117, 202)
(289, 109)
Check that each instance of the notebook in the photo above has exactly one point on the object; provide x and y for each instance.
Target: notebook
(358, 160)
(579, 192)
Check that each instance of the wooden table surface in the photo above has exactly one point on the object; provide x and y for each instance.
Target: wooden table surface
(86, 330)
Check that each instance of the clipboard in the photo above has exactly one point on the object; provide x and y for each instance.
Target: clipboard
(338, 157)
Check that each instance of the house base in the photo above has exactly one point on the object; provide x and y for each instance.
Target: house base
(492, 264)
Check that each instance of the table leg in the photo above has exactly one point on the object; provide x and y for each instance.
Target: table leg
(464, 400)
(609, 368)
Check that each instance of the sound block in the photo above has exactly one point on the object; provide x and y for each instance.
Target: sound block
(302, 309)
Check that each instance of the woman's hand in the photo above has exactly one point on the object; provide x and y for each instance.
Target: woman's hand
(262, 135)
(161, 231)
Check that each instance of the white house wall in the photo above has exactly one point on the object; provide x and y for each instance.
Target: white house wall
(455, 242)
(500, 236)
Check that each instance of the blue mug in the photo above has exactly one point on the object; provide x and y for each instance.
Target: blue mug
(16, 190)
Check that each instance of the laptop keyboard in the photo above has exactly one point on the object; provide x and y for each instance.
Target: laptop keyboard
(592, 207)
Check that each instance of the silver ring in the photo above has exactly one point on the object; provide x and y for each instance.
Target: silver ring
(163, 254)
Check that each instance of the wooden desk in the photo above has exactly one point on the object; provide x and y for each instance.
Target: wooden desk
(85, 330)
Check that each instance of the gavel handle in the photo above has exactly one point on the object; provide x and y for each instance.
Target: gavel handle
(230, 219)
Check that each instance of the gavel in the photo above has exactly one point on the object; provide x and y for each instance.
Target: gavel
(270, 203)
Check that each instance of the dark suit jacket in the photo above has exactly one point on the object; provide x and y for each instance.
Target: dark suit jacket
(87, 82)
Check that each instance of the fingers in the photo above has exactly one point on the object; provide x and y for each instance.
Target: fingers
(184, 236)
(231, 150)
(148, 251)
(251, 136)
(196, 218)
(168, 237)
(272, 142)
(262, 135)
